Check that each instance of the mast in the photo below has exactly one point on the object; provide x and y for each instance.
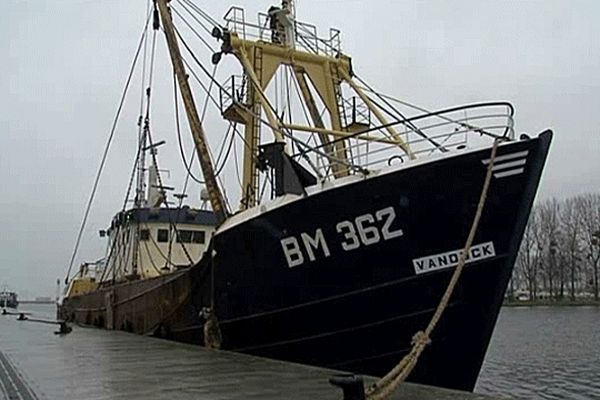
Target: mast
(140, 199)
(216, 197)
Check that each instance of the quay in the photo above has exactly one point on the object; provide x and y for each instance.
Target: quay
(95, 364)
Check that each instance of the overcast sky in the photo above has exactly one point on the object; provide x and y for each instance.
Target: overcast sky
(64, 64)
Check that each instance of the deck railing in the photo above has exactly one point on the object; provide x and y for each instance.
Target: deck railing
(306, 35)
(442, 131)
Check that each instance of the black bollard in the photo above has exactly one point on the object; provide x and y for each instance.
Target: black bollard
(63, 328)
(351, 385)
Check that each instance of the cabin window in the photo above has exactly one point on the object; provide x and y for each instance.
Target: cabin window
(184, 236)
(198, 237)
(163, 235)
(144, 234)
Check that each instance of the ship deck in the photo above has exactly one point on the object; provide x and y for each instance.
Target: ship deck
(95, 364)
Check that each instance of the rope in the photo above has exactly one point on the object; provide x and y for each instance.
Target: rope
(390, 382)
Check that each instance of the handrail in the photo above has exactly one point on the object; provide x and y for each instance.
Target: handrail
(433, 114)
(307, 36)
(425, 133)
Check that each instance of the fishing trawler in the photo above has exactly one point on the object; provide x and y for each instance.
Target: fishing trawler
(8, 299)
(353, 211)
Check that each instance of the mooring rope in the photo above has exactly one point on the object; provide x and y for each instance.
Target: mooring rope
(383, 388)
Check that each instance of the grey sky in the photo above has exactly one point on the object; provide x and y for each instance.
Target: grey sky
(64, 64)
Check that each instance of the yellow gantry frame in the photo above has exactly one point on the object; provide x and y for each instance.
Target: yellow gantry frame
(261, 60)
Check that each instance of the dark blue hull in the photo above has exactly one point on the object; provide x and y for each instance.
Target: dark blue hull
(354, 302)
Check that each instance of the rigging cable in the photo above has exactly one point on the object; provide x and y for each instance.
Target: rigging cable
(192, 28)
(181, 149)
(306, 148)
(118, 228)
(145, 94)
(215, 82)
(408, 123)
(142, 157)
(438, 114)
(268, 104)
(105, 153)
(219, 160)
(203, 14)
(172, 224)
(237, 167)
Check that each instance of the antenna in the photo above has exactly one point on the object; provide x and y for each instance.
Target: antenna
(180, 197)
(155, 196)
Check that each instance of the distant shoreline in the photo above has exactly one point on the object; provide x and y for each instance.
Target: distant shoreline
(550, 303)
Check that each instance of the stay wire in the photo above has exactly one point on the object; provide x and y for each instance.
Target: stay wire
(142, 86)
(439, 114)
(135, 249)
(144, 101)
(106, 150)
(180, 142)
(187, 165)
(204, 41)
(172, 224)
(305, 148)
(213, 81)
(202, 85)
(400, 114)
(202, 13)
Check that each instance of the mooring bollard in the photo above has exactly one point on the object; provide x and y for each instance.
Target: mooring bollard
(352, 386)
(63, 328)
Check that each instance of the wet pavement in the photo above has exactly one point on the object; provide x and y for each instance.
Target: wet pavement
(95, 364)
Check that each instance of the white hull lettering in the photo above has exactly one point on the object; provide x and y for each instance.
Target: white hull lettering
(294, 252)
(365, 230)
(312, 244)
(450, 259)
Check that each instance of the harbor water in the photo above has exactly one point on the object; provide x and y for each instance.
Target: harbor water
(544, 353)
(536, 352)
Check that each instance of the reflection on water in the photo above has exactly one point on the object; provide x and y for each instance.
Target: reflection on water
(544, 353)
